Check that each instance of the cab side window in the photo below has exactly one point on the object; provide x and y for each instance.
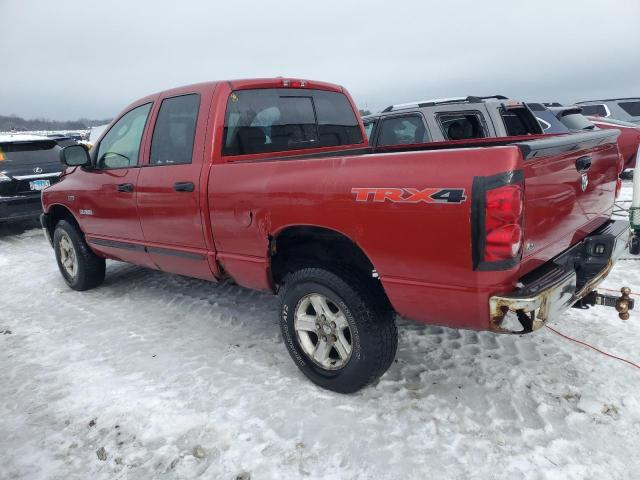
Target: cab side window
(403, 130)
(120, 146)
(174, 132)
(461, 125)
(520, 121)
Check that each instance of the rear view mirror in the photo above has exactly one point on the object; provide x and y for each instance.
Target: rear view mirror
(75, 156)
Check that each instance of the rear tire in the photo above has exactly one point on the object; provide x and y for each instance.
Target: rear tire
(80, 267)
(337, 332)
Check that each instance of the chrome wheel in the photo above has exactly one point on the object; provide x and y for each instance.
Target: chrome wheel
(68, 257)
(323, 331)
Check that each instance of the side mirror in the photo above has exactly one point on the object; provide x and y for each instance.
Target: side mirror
(75, 156)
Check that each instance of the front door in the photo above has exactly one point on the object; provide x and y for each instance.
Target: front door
(106, 200)
(169, 192)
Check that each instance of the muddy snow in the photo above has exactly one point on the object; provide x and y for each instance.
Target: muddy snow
(160, 376)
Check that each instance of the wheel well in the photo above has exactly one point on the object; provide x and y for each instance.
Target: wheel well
(305, 246)
(57, 213)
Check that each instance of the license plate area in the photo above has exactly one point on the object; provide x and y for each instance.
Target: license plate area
(37, 185)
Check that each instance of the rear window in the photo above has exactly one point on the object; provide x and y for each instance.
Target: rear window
(461, 125)
(403, 130)
(632, 108)
(281, 119)
(29, 151)
(519, 121)
(599, 110)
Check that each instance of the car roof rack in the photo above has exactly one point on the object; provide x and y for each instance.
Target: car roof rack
(443, 101)
(609, 100)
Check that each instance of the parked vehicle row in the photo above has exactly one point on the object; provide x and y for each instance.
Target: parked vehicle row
(626, 109)
(272, 182)
(463, 118)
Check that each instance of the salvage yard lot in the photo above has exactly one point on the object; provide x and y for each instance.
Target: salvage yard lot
(170, 377)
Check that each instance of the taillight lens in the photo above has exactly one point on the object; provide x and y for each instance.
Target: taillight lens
(618, 187)
(294, 83)
(503, 223)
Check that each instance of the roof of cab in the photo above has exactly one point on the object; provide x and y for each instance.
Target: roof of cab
(249, 83)
(238, 84)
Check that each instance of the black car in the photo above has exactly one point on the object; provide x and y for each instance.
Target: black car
(28, 164)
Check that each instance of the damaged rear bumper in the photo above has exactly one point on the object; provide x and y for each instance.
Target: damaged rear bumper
(557, 285)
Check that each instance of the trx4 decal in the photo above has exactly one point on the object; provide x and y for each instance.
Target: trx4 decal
(410, 195)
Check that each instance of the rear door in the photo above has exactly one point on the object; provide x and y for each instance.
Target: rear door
(169, 198)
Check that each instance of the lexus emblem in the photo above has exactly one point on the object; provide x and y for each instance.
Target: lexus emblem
(37, 170)
(584, 181)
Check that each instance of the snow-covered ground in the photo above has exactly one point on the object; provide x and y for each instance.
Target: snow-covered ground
(167, 377)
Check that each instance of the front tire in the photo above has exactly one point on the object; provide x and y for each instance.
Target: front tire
(337, 332)
(80, 267)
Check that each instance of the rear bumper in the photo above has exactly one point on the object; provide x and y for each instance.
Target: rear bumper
(19, 207)
(554, 287)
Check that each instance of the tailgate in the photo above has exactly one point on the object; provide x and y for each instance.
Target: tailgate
(570, 185)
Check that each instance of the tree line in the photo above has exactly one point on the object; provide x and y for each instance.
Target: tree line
(13, 122)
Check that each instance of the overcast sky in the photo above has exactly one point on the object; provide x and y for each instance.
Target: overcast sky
(88, 58)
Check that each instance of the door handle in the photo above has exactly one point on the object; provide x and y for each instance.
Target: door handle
(125, 187)
(184, 187)
(583, 163)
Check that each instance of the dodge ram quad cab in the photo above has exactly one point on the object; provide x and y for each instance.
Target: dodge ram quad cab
(460, 118)
(271, 183)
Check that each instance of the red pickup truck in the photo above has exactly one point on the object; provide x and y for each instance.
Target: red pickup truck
(271, 182)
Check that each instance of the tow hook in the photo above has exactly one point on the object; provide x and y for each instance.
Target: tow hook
(622, 304)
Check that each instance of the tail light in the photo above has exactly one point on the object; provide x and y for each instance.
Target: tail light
(294, 83)
(503, 223)
(618, 187)
(497, 221)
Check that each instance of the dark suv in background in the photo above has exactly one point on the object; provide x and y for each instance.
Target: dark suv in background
(627, 109)
(450, 119)
(28, 164)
